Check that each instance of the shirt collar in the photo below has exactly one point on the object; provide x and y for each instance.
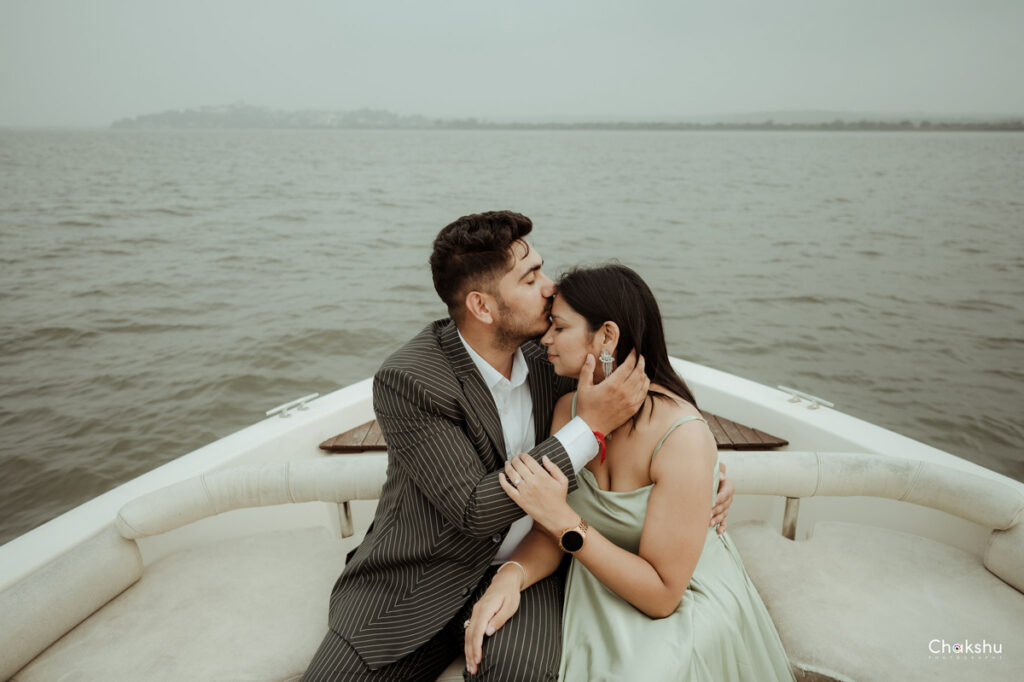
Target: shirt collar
(492, 377)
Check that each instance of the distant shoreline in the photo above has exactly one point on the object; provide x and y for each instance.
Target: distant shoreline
(838, 126)
(1013, 127)
(246, 117)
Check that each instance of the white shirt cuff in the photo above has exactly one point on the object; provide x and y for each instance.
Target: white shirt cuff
(579, 441)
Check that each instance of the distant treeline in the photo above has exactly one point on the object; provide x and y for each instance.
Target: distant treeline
(245, 116)
(1013, 125)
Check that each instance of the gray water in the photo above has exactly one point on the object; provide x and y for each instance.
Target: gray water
(160, 290)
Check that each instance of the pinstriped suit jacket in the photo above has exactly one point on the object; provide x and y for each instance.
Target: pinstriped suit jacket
(442, 513)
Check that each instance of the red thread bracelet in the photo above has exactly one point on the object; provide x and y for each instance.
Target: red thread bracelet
(601, 441)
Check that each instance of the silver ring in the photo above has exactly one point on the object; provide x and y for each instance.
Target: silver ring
(517, 482)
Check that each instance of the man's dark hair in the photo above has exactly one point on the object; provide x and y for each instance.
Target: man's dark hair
(472, 253)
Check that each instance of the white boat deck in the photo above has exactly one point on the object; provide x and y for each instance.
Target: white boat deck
(285, 546)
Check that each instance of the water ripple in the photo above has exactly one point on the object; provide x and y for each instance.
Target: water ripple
(161, 291)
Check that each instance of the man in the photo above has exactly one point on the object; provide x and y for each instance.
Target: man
(453, 404)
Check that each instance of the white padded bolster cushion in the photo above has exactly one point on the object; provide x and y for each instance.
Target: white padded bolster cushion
(324, 479)
(806, 474)
(39, 609)
(866, 601)
(1004, 555)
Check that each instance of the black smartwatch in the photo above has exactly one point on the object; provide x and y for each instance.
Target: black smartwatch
(571, 540)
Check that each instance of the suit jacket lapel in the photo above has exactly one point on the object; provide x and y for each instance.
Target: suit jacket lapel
(480, 399)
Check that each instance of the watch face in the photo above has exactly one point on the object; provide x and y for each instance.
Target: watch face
(572, 540)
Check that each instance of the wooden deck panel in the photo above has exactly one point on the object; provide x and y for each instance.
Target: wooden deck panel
(723, 440)
(733, 432)
(356, 440)
(375, 438)
(768, 441)
(750, 438)
(728, 434)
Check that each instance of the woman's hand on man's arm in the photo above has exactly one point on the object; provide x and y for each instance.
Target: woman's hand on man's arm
(539, 556)
(540, 491)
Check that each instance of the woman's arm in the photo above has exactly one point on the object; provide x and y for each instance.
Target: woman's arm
(539, 556)
(674, 529)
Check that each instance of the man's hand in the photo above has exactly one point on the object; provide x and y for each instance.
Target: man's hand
(607, 405)
(723, 501)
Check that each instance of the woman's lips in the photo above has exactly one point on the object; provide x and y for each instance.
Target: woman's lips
(551, 357)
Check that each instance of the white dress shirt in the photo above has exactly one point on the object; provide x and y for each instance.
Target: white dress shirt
(515, 410)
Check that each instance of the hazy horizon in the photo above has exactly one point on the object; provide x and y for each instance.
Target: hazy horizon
(778, 117)
(68, 64)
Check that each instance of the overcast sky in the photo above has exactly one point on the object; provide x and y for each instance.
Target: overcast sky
(90, 62)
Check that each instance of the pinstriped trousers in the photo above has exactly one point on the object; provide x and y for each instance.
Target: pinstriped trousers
(527, 648)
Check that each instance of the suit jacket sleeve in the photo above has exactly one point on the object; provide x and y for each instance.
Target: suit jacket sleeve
(431, 447)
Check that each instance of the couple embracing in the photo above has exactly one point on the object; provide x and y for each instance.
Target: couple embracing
(544, 526)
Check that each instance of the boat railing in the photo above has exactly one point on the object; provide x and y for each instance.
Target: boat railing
(790, 474)
(359, 477)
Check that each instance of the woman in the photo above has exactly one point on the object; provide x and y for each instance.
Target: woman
(652, 593)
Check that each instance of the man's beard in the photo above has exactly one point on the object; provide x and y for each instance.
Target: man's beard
(512, 332)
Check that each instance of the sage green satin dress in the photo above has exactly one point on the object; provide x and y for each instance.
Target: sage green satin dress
(721, 630)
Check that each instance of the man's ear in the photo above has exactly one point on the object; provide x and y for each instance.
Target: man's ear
(480, 306)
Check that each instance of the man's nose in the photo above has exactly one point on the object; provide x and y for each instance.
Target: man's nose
(548, 287)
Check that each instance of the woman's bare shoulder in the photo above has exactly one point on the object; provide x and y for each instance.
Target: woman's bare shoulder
(563, 412)
(564, 405)
(688, 439)
(660, 413)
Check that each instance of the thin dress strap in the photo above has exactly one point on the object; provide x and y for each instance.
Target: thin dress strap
(575, 395)
(685, 420)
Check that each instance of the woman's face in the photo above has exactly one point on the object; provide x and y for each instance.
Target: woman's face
(569, 340)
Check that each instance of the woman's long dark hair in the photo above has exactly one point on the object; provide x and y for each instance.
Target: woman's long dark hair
(616, 293)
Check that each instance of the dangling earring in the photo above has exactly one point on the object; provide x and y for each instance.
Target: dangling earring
(607, 362)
